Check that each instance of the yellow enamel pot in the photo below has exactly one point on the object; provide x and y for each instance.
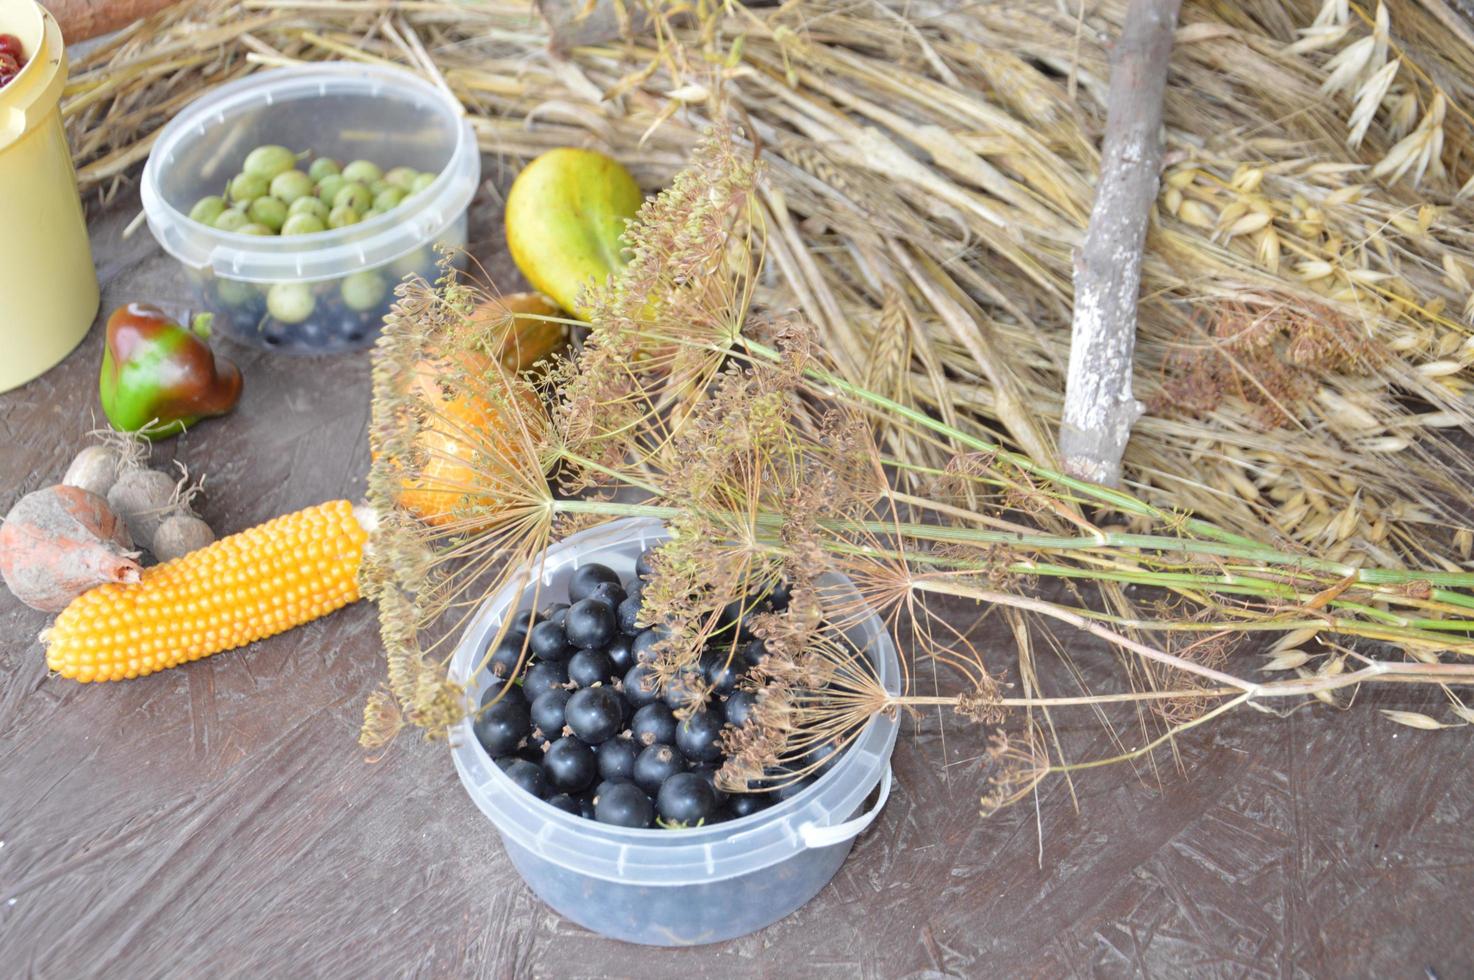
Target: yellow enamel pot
(46, 272)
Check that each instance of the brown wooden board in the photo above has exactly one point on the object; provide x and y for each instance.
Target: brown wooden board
(219, 819)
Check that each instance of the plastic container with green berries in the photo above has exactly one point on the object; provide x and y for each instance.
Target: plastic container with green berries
(297, 199)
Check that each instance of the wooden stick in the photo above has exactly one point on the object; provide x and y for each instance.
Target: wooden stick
(83, 19)
(1099, 406)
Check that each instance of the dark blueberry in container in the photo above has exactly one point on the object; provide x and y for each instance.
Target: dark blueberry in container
(822, 757)
(547, 713)
(586, 805)
(723, 668)
(653, 723)
(570, 765)
(708, 771)
(624, 805)
(621, 654)
(603, 786)
(738, 707)
(720, 815)
(587, 578)
(685, 798)
(609, 593)
(554, 612)
(503, 726)
(594, 714)
(617, 759)
(589, 667)
(513, 694)
(643, 567)
(548, 641)
(522, 622)
(655, 764)
(627, 615)
(754, 652)
(686, 689)
(505, 762)
(590, 624)
(529, 776)
(698, 736)
(643, 641)
(792, 789)
(779, 595)
(506, 656)
(640, 686)
(746, 804)
(565, 803)
(542, 677)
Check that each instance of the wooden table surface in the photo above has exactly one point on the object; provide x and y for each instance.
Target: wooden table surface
(220, 820)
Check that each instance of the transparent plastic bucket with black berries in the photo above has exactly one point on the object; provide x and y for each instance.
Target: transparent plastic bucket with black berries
(673, 887)
(327, 291)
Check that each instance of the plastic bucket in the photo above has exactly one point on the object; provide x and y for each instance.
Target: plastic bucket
(346, 111)
(46, 273)
(673, 887)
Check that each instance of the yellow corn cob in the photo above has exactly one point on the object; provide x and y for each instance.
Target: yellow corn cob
(251, 585)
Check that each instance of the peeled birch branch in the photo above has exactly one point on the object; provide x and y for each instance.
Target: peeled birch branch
(1099, 408)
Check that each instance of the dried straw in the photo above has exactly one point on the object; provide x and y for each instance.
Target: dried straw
(1305, 328)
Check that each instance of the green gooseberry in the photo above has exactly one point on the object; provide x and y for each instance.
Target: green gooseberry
(303, 224)
(233, 292)
(379, 186)
(328, 188)
(323, 167)
(268, 161)
(207, 209)
(402, 177)
(343, 215)
(422, 181)
(388, 199)
(290, 302)
(290, 185)
(309, 205)
(232, 219)
(268, 211)
(363, 291)
(355, 195)
(362, 171)
(245, 188)
(372, 213)
(254, 229)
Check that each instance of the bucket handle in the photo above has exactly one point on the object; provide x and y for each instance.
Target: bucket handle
(816, 836)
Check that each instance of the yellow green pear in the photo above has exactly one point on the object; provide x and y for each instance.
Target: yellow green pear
(566, 212)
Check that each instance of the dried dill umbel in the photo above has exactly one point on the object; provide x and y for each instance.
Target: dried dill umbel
(690, 403)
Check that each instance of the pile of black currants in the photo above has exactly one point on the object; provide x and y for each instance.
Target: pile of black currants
(584, 726)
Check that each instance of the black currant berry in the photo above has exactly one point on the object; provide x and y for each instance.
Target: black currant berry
(698, 736)
(617, 759)
(590, 624)
(779, 595)
(746, 804)
(686, 689)
(738, 707)
(529, 776)
(547, 713)
(685, 799)
(586, 805)
(503, 726)
(609, 593)
(653, 723)
(589, 667)
(570, 765)
(822, 757)
(587, 578)
(627, 614)
(640, 686)
(624, 805)
(565, 803)
(594, 713)
(548, 641)
(621, 655)
(512, 693)
(507, 655)
(754, 652)
(790, 789)
(643, 565)
(542, 677)
(723, 671)
(708, 771)
(655, 764)
(522, 622)
(554, 613)
(643, 641)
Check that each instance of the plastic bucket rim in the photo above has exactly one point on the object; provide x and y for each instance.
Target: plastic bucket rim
(35, 92)
(244, 93)
(780, 822)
